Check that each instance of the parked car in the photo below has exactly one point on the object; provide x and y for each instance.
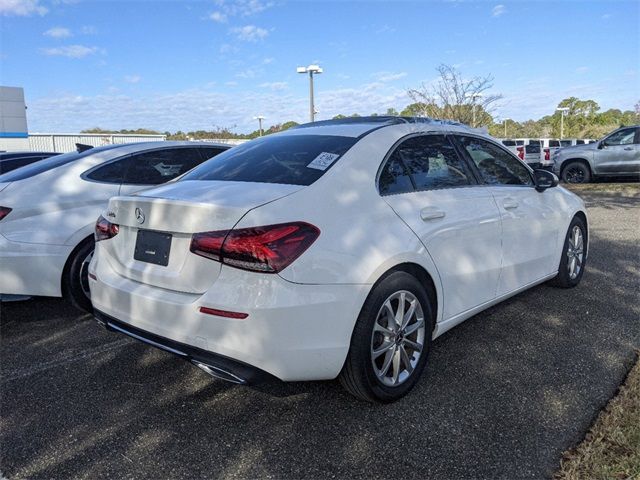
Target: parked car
(12, 160)
(618, 154)
(338, 248)
(48, 210)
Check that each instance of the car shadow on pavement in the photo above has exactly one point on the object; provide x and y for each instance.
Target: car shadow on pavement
(502, 396)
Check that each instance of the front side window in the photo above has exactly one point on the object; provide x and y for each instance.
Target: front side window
(496, 166)
(289, 159)
(159, 166)
(623, 137)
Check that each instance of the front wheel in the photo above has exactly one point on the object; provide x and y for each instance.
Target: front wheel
(390, 342)
(574, 255)
(576, 172)
(75, 281)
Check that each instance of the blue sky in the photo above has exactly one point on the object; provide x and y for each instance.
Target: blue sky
(185, 65)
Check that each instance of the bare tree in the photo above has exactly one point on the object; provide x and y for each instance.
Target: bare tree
(452, 97)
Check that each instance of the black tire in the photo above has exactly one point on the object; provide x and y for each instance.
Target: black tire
(358, 375)
(75, 273)
(576, 172)
(564, 278)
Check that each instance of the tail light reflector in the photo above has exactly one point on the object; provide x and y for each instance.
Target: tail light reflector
(521, 153)
(547, 154)
(267, 249)
(4, 211)
(105, 229)
(223, 313)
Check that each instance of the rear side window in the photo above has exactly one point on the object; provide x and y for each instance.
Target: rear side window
(111, 172)
(565, 143)
(509, 143)
(159, 166)
(497, 166)
(289, 159)
(49, 164)
(579, 142)
(554, 143)
(430, 161)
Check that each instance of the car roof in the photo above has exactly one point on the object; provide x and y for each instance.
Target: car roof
(360, 126)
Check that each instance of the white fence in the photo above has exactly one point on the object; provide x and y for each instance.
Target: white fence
(66, 142)
(228, 141)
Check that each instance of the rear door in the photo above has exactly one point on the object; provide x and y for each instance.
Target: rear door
(436, 194)
(530, 219)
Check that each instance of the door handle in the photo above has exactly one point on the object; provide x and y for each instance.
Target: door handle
(430, 213)
(509, 203)
(628, 148)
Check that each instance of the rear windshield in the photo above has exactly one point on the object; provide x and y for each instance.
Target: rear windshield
(290, 159)
(49, 164)
(554, 143)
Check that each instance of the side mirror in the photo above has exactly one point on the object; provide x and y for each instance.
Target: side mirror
(602, 145)
(544, 179)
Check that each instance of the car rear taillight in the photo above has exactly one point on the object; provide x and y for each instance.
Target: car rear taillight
(547, 154)
(4, 211)
(267, 249)
(521, 153)
(105, 229)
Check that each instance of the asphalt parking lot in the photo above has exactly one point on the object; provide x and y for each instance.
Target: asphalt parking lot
(503, 396)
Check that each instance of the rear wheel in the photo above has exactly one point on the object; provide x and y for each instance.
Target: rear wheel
(576, 172)
(75, 281)
(574, 255)
(390, 342)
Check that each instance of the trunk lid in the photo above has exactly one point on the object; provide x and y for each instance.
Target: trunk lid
(179, 209)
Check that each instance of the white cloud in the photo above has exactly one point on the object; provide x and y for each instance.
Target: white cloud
(218, 17)
(250, 33)
(88, 30)
(132, 78)
(582, 70)
(268, 60)
(231, 83)
(275, 86)
(58, 32)
(498, 10)
(22, 8)
(71, 51)
(248, 73)
(388, 76)
(607, 16)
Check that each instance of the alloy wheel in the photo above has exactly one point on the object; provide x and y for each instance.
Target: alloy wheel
(575, 252)
(575, 174)
(398, 338)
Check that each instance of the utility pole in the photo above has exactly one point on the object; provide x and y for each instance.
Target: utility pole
(311, 70)
(563, 111)
(260, 118)
(505, 126)
(473, 97)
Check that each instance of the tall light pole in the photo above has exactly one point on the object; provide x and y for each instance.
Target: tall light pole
(311, 70)
(563, 111)
(259, 118)
(473, 97)
(505, 126)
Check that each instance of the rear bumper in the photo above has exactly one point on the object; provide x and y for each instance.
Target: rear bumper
(292, 331)
(32, 268)
(215, 365)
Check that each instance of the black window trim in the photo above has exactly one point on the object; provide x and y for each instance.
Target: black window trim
(85, 175)
(477, 170)
(474, 175)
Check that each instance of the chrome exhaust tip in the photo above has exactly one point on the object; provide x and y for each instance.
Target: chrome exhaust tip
(219, 373)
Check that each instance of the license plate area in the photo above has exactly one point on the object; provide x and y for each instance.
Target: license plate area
(153, 247)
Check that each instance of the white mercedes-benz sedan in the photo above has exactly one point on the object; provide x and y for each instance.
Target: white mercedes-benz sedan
(48, 210)
(335, 249)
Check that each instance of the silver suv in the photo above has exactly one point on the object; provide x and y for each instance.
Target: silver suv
(617, 154)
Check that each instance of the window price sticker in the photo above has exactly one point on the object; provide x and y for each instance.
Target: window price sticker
(323, 161)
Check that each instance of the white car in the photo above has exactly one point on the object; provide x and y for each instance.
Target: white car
(48, 210)
(338, 248)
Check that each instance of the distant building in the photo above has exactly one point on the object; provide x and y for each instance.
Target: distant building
(14, 134)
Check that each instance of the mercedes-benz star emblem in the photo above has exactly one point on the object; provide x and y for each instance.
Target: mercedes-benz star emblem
(140, 215)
